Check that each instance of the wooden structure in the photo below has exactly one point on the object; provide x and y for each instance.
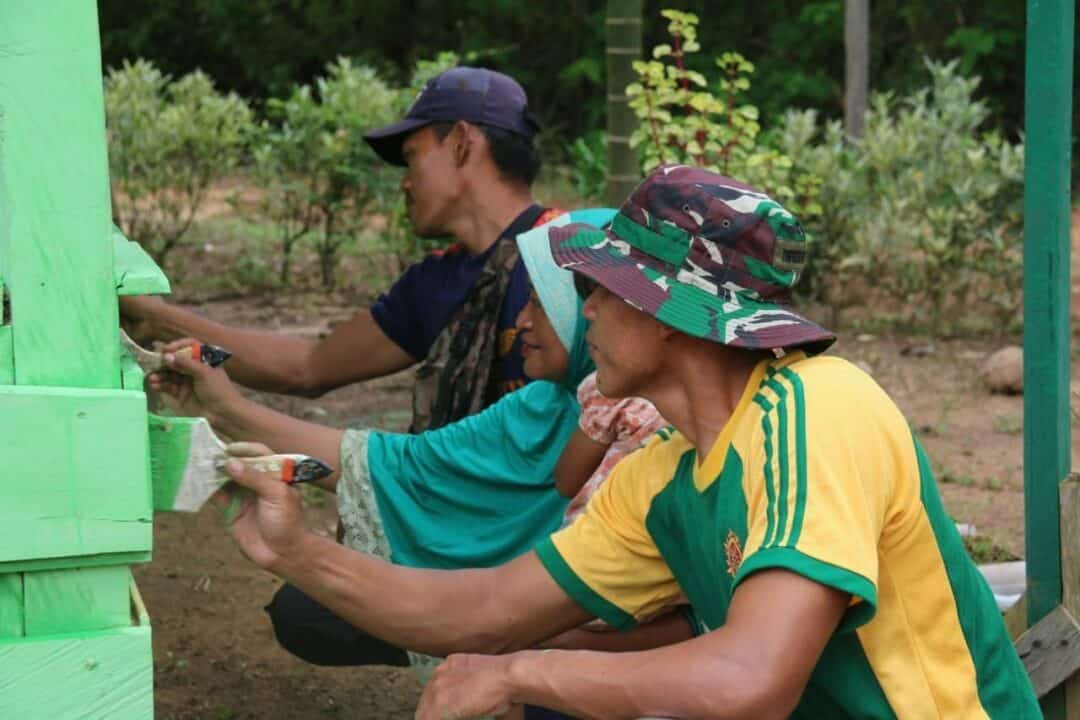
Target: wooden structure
(75, 498)
(1051, 647)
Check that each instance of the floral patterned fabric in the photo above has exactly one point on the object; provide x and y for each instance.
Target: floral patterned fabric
(623, 425)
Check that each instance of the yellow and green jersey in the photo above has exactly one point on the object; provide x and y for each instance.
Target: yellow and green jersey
(816, 472)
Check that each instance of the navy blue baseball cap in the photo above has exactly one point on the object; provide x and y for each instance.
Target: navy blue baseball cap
(475, 95)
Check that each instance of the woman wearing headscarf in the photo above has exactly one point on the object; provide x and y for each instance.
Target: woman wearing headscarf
(474, 493)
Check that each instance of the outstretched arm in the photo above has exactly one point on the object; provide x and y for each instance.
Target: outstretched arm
(755, 666)
(355, 350)
(434, 611)
(198, 390)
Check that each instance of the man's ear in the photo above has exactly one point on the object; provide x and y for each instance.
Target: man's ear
(462, 138)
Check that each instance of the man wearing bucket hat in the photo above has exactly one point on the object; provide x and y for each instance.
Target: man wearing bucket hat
(791, 506)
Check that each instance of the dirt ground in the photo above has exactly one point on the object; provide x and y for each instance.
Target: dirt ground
(215, 657)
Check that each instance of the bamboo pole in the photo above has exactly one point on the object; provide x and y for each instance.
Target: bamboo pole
(623, 47)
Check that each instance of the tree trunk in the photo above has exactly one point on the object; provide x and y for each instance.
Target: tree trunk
(856, 65)
(623, 47)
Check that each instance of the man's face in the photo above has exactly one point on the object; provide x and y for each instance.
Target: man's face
(626, 344)
(431, 182)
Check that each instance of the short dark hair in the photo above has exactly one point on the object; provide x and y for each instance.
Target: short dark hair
(514, 155)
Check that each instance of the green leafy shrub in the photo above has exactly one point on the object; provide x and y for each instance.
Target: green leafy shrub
(923, 212)
(168, 141)
(683, 121)
(319, 175)
(589, 165)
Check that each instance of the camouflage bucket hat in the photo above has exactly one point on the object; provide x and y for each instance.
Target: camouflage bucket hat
(704, 254)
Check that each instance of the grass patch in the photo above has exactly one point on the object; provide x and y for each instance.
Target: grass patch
(1009, 423)
(982, 549)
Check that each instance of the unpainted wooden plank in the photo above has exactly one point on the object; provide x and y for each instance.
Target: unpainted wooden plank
(1070, 575)
(1050, 651)
(75, 473)
(105, 674)
(77, 600)
(11, 606)
(57, 249)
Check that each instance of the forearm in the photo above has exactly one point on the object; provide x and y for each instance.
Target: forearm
(248, 420)
(665, 630)
(261, 360)
(694, 679)
(433, 611)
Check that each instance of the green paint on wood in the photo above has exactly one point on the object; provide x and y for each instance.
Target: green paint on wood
(101, 595)
(74, 480)
(131, 375)
(7, 356)
(62, 563)
(136, 273)
(1048, 124)
(55, 224)
(11, 606)
(107, 674)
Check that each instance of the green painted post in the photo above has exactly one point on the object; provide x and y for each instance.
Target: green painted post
(1048, 125)
(74, 491)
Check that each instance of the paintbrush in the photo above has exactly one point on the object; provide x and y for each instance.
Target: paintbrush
(187, 463)
(151, 361)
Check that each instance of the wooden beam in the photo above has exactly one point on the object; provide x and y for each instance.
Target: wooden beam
(1048, 128)
(1070, 574)
(1051, 650)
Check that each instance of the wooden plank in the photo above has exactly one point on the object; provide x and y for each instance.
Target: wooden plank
(1070, 574)
(7, 346)
(135, 271)
(64, 563)
(75, 473)
(1048, 89)
(56, 246)
(101, 596)
(1051, 650)
(11, 606)
(106, 674)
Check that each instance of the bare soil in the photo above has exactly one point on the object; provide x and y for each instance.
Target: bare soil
(215, 656)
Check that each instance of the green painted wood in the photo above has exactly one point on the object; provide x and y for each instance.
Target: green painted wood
(61, 563)
(89, 676)
(131, 375)
(1048, 124)
(12, 624)
(135, 271)
(7, 347)
(55, 225)
(170, 450)
(7, 356)
(74, 480)
(102, 596)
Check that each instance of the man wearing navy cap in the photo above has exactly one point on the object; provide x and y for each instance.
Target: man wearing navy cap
(466, 146)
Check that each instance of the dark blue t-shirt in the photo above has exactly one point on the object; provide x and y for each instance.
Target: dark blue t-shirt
(420, 304)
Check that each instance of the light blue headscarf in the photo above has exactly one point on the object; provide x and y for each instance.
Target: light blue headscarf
(480, 491)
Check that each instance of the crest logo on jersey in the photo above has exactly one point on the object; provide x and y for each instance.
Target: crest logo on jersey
(733, 553)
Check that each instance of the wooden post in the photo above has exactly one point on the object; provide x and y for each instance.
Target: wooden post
(1070, 573)
(74, 492)
(623, 47)
(1048, 126)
